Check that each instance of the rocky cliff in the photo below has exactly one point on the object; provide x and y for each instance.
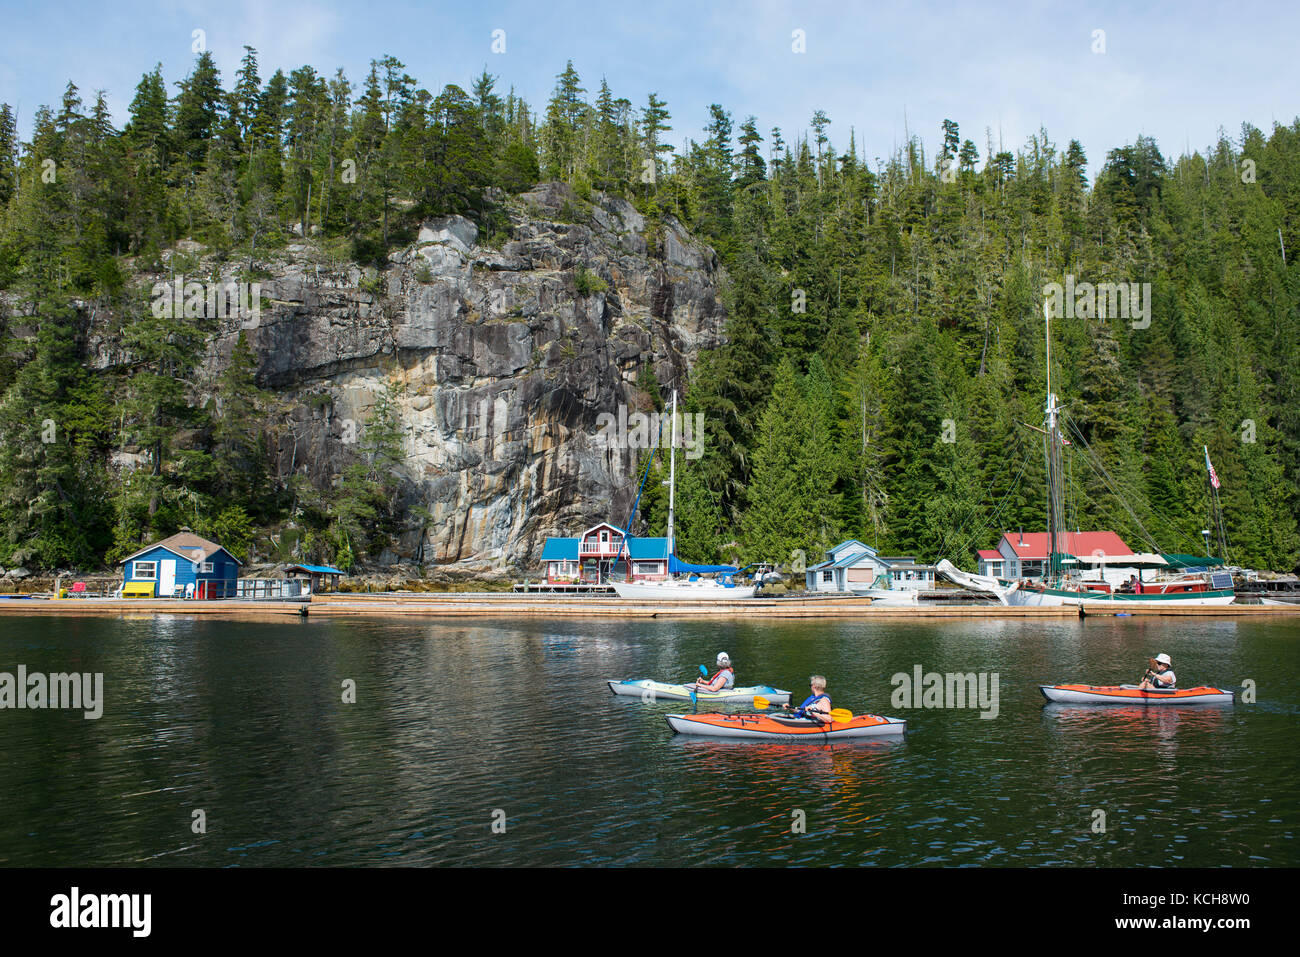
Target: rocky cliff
(499, 360)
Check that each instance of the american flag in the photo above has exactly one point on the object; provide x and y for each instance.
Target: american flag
(1214, 479)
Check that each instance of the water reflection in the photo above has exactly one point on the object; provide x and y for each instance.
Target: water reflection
(454, 722)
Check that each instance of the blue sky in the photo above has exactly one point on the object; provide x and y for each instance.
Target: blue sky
(1176, 71)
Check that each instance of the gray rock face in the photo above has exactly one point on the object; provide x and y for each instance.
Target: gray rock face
(498, 365)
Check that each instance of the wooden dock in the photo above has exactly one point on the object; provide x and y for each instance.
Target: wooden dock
(839, 608)
(506, 605)
(149, 607)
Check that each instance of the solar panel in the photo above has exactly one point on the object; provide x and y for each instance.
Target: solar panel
(1221, 580)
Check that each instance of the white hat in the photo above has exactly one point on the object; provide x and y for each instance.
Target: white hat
(1163, 659)
(724, 658)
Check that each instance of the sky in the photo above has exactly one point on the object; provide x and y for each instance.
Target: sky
(1102, 73)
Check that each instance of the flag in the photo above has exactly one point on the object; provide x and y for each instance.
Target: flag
(1214, 479)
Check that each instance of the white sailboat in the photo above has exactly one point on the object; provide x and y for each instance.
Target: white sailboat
(692, 588)
(1056, 588)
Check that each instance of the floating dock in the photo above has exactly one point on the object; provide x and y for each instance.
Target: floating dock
(506, 605)
(557, 606)
(149, 607)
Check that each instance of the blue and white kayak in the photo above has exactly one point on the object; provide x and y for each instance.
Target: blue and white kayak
(648, 691)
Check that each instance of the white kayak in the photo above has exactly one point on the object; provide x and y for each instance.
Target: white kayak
(648, 690)
(1132, 694)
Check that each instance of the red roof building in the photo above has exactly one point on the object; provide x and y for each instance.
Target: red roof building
(1033, 545)
(1024, 554)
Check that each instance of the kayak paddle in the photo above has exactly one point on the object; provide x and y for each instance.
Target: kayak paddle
(695, 704)
(837, 714)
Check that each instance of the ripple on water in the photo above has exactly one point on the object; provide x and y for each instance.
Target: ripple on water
(458, 728)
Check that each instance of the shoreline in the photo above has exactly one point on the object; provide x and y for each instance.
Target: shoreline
(496, 605)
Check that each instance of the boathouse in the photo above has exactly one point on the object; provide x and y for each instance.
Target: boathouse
(182, 566)
(603, 553)
(849, 565)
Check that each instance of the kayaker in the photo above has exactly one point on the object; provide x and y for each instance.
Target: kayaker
(818, 704)
(724, 677)
(1162, 678)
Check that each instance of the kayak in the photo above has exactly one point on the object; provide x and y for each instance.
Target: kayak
(649, 690)
(1132, 694)
(783, 728)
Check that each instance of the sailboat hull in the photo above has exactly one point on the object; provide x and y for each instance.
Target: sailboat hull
(683, 591)
(1049, 597)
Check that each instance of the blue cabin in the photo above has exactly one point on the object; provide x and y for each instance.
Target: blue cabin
(182, 566)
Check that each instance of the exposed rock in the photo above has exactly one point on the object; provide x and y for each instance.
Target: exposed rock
(498, 366)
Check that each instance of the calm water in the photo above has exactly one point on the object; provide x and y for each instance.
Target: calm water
(458, 725)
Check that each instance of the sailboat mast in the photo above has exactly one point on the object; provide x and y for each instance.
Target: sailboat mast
(672, 477)
(1052, 444)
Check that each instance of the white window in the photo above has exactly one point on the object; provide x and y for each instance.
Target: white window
(827, 575)
(649, 568)
(146, 571)
(205, 567)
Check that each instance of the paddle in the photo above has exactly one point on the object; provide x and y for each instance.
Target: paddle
(1151, 662)
(695, 701)
(837, 714)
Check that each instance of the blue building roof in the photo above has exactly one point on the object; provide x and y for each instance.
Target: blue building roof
(852, 541)
(560, 550)
(646, 549)
(640, 549)
(316, 569)
(850, 559)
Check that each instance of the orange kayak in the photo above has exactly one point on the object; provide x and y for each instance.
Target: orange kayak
(783, 728)
(1132, 694)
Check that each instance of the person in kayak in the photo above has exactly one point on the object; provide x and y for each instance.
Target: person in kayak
(724, 677)
(1162, 678)
(818, 704)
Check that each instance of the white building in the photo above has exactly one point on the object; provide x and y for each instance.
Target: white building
(849, 566)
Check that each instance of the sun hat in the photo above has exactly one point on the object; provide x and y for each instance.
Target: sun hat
(1163, 659)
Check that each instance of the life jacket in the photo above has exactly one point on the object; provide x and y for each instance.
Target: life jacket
(811, 700)
(730, 679)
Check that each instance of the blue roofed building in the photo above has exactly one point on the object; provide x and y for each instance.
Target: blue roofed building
(182, 566)
(603, 553)
(317, 575)
(849, 566)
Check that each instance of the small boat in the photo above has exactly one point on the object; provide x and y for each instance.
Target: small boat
(1132, 694)
(782, 727)
(889, 597)
(649, 690)
(700, 590)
